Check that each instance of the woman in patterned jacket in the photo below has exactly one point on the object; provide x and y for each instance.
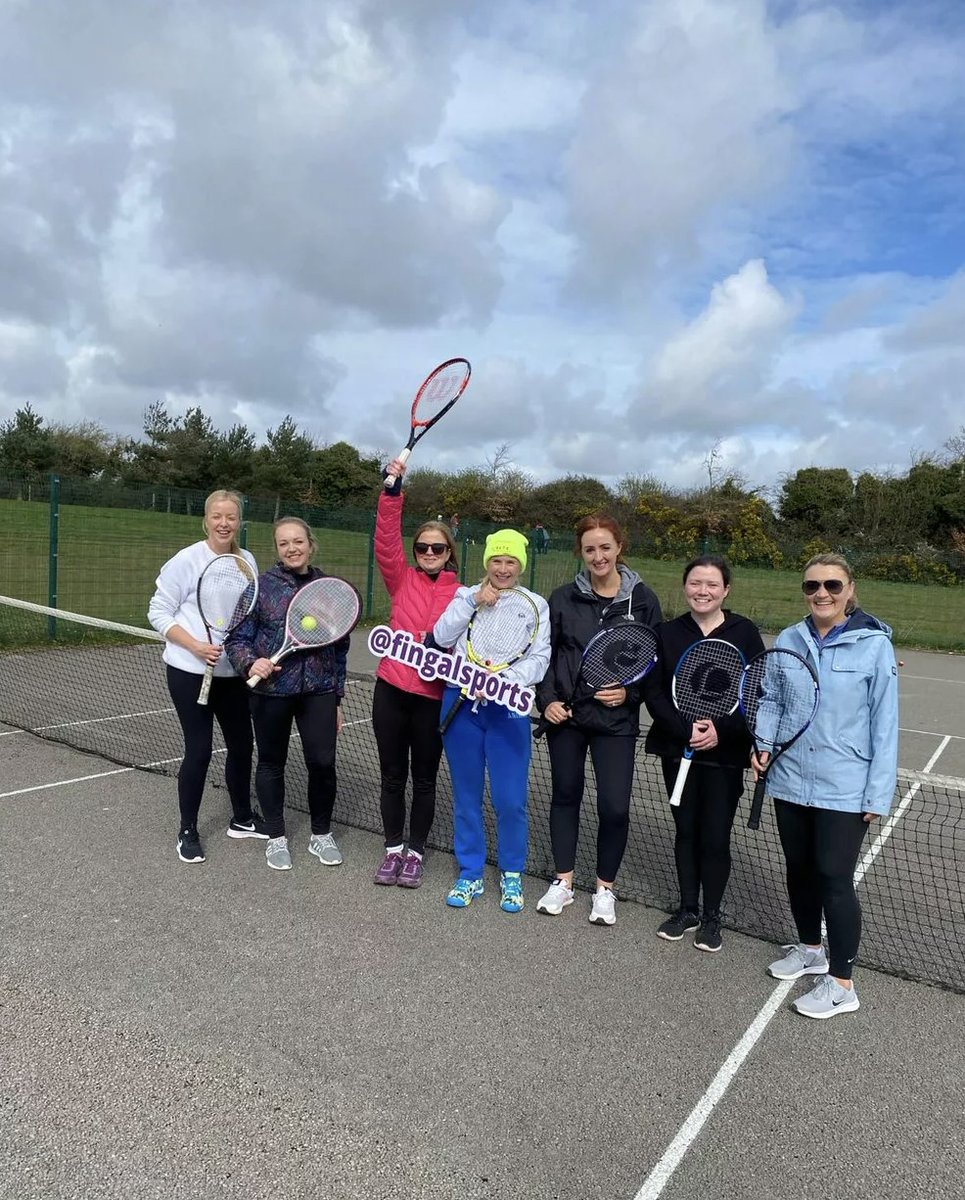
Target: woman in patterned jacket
(306, 688)
(405, 708)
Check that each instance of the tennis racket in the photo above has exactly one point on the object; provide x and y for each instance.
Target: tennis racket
(779, 695)
(320, 613)
(616, 656)
(498, 636)
(226, 594)
(439, 392)
(705, 686)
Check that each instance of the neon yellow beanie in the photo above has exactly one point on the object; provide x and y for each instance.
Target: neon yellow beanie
(506, 542)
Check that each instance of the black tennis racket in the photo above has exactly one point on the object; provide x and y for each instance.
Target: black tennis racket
(320, 613)
(439, 392)
(498, 636)
(705, 686)
(616, 656)
(227, 592)
(779, 695)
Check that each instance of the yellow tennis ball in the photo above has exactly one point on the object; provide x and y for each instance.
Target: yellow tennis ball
(309, 623)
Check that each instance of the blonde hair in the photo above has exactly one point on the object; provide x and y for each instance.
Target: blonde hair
(312, 543)
(839, 561)
(219, 497)
(452, 562)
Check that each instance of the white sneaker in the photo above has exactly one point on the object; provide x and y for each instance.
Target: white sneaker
(278, 855)
(604, 907)
(555, 898)
(325, 849)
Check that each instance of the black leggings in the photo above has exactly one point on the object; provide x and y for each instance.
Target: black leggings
(228, 701)
(406, 724)
(613, 764)
(821, 848)
(704, 819)
(315, 717)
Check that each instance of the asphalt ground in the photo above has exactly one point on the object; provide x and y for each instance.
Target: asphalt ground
(224, 1030)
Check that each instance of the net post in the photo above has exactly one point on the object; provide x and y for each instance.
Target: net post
(53, 549)
(370, 572)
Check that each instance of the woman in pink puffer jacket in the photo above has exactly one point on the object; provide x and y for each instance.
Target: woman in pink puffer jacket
(405, 708)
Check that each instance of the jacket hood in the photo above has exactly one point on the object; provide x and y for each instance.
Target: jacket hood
(860, 624)
(628, 581)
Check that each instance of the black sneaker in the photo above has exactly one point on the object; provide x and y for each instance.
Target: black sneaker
(674, 928)
(708, 935)
(254, 827)
(189, 846)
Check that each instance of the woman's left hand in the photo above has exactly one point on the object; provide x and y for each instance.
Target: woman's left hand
(869, 817)
(612, 696)
(704, 736)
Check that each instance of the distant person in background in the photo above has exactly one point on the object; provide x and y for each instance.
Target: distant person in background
(605, 592)
(454, 525)
(540, 538)
(405, 707)
(173, 612)
(834, 781)
(305, 688)
(705, 816)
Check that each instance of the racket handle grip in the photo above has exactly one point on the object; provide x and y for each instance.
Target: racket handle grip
(206, 684)
(540, 728)
(680, 782)
(403, 457)
(253, 680)
(757, 803)
(450, 715)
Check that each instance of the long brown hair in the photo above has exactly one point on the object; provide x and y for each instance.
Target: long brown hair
(601, 521)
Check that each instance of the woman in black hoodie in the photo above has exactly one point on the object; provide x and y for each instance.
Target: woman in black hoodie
(721, 753)
(605, 592)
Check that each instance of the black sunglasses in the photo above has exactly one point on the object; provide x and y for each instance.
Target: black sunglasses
(431, 547)
(834, 587)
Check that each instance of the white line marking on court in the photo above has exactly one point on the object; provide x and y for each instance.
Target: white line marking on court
(671, 1158)
(932, 678)
(959, 737)
(39, 787)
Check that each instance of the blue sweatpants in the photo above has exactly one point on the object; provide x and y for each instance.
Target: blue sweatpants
(500, 740)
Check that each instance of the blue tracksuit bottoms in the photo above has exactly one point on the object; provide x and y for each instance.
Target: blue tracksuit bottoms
(496, 738)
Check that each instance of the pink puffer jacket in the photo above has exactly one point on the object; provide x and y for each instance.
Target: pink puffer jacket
(418, 601)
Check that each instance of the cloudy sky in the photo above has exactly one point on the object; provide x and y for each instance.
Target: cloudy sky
(653, 225)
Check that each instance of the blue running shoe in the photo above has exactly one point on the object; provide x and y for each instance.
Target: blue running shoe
(511, 892)
(463, 892)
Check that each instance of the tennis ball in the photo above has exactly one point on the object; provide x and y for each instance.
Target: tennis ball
(309, 623)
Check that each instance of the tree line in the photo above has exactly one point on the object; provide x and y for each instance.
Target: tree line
(897, 526)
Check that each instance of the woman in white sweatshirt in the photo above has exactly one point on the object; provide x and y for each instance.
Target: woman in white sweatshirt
(173, 612)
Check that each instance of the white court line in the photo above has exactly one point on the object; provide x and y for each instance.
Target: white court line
(671, 1158)
(931, 678)
(39, 787)
(958, 737)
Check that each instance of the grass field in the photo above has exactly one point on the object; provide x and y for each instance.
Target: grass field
(108, 560)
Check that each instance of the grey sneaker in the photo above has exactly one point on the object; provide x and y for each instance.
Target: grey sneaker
(276, 852)
(604, 910)
(556, 897)
(827, 999)
(325, 849)
(799, 960)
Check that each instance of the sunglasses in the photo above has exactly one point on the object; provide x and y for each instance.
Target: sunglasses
(811, 587)
(431, 547)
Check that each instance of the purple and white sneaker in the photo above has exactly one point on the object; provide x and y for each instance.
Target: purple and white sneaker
(412, 871)
(388, 872)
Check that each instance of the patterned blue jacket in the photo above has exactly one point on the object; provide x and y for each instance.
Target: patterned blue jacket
(306, 672)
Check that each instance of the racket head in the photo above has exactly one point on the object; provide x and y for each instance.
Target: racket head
(227, 592)
(620, 654)
(500, 634)
(779, 694)
(706, 682)
(439, 392)
(322, 612)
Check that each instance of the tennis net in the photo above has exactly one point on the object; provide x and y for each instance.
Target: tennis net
(912, 878)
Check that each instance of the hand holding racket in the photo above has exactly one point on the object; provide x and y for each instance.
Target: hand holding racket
(779, 696)
(705, 686)
(438, 393)
(226, 594)
(615, 657)
(501, 630)
(320, 613)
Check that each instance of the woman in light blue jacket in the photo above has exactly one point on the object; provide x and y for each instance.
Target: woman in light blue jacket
(834, 781)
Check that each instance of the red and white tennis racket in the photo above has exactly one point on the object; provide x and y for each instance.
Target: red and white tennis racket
(226, 594)
(320, 613)
(438, 394)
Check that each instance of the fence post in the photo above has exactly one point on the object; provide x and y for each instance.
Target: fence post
(53, 548)
(244, 523)
(464, 559)
(370, 577)
(532, 571)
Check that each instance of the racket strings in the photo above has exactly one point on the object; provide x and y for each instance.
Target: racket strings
(778, 698)
(707, 680)
(439, 390)
(323, 612)
(226, 592)
(501, 633)
(620, 655)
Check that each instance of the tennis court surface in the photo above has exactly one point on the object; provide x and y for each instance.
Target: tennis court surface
(224, 1030)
